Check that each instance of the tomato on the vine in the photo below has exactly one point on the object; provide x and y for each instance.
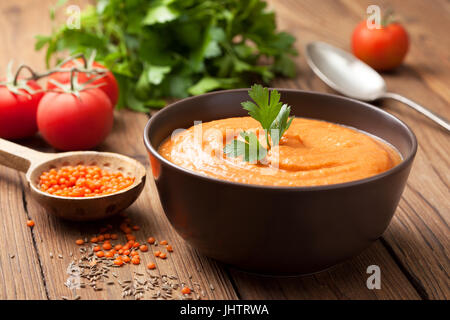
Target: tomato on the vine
(18, 110)
(70, 121)
(110, 86)
(383, 49)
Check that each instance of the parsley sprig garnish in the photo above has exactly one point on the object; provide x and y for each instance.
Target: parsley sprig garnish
(274, 118)
(160, 49)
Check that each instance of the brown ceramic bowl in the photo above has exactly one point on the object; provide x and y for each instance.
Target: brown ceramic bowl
(279, 230)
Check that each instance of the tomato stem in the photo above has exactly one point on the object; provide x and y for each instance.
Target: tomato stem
(74, 57)
(87, 68)
(21, 67)
(38, 76)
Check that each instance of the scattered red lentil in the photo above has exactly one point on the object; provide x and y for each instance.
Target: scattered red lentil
(186, 290)
(83, 181)
(163, 255)
(121, 254)
(118, 262)
(127, 230)
(30, 223)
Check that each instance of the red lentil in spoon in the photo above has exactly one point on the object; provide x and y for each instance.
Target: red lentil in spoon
(83, 181)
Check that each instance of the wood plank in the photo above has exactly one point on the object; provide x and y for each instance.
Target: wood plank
(20, 269)
(345, 281)
(418, 235)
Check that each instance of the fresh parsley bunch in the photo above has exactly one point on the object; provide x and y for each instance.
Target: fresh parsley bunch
(174, 48)
(274, 118)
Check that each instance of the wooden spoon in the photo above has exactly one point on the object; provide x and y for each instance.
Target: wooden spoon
(33, 163)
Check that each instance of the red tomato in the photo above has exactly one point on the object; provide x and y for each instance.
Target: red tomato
(70, 123)
(382, 49)
(18, 112)
(111, 88)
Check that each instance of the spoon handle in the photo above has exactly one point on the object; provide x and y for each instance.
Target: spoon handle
(438, 119)
(18, 157)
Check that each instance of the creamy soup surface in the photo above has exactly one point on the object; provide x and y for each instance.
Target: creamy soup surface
(311, 153)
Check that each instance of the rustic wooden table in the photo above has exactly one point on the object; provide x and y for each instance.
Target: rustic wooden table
(412, 253)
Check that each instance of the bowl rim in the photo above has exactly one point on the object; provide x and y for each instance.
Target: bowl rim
(405, 162)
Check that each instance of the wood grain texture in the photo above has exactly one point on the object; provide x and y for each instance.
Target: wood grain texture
(345, 281)
(20, 268)
(412, 254)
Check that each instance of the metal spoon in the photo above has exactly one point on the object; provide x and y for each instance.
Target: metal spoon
(350, 76)
(33, 163)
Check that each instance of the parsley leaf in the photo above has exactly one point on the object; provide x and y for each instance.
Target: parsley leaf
(266, 109)
(273, 116)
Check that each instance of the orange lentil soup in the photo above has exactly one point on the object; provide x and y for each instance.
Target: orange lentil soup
(311, 153)
(83, 181)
